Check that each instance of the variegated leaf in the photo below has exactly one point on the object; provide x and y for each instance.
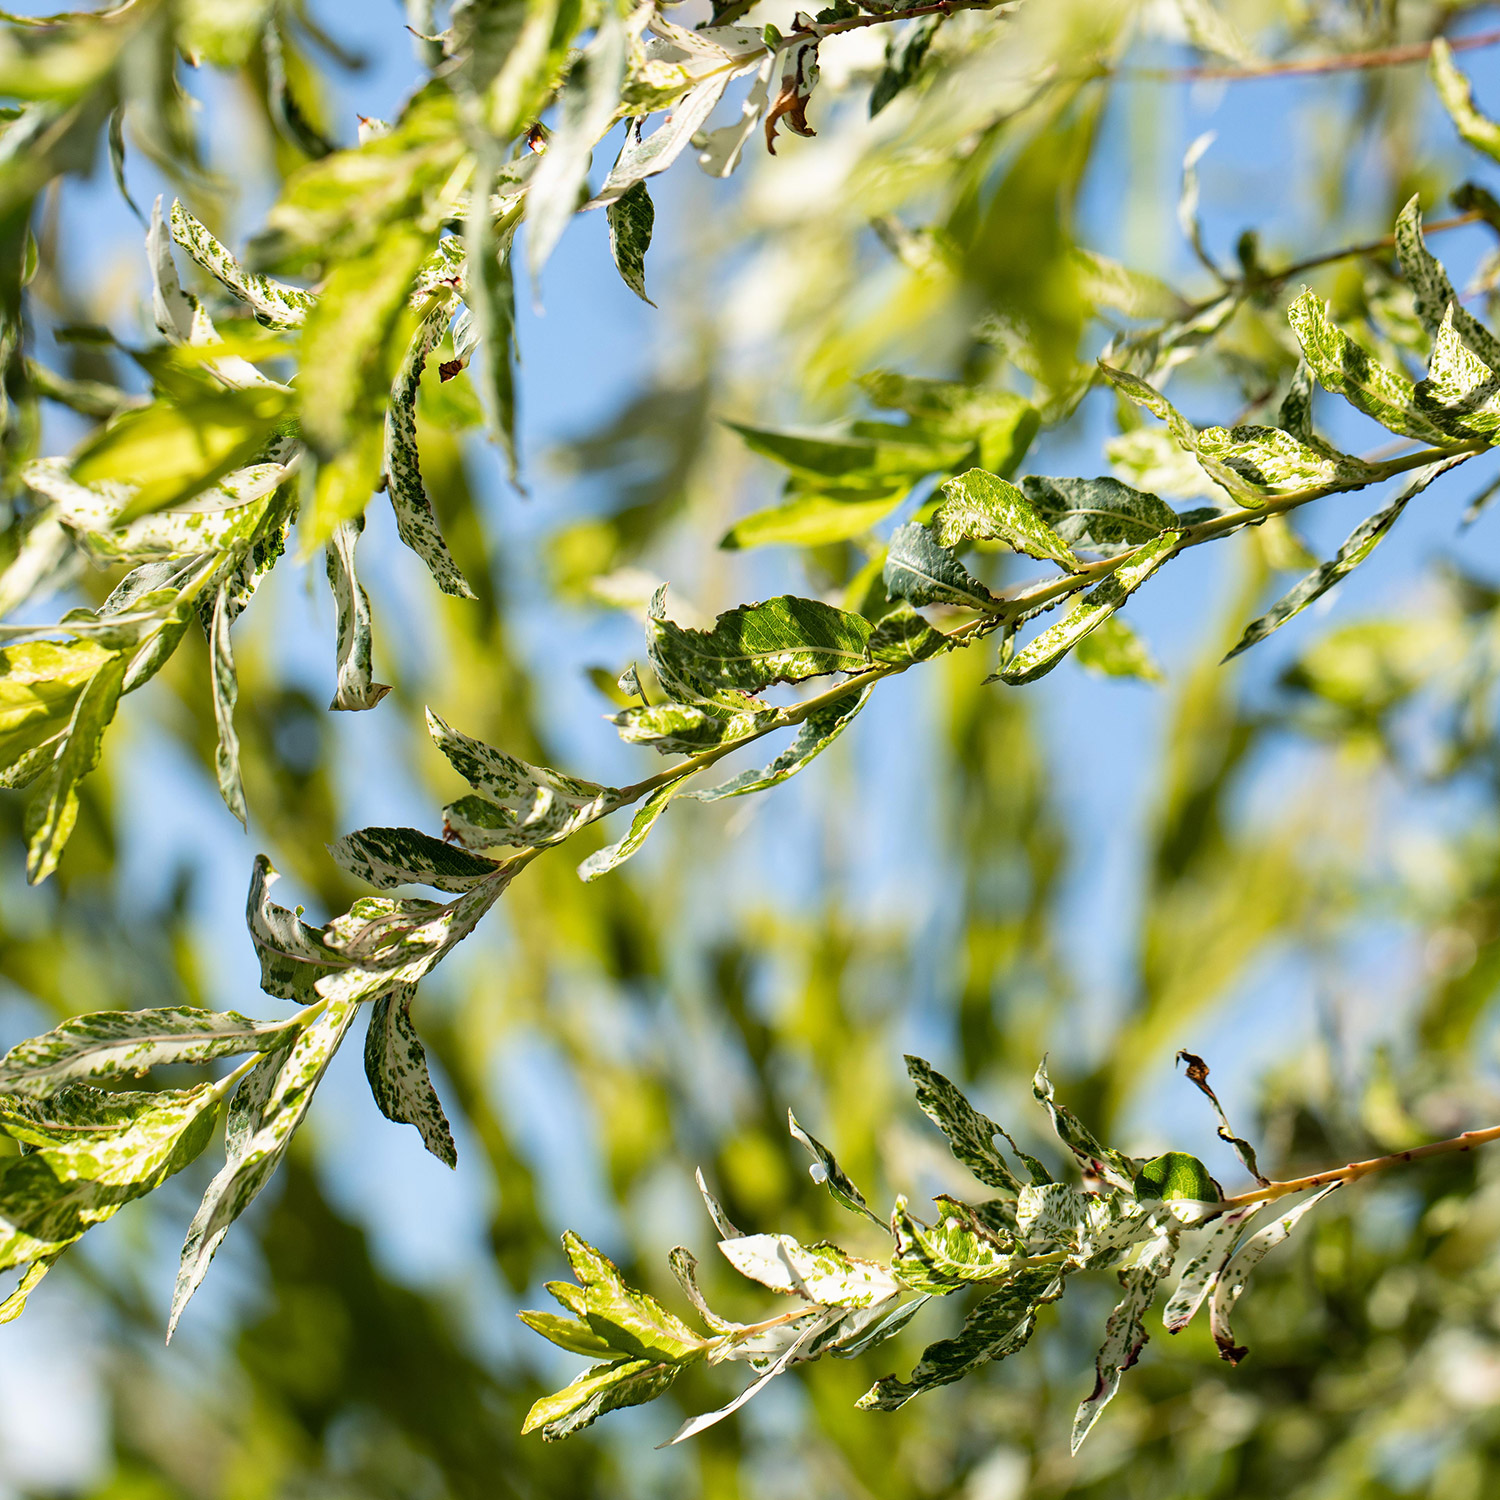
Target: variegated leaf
(604, 860)
(983, 507)
(1210, 1256)
(391, 857)
(685, 728)
(357, 688)
(226, 693)
(1096, 1159)
(274, 303)
(920, 571)
(971, 1135)
(396, 1066)
(632, 216)
(825, 1169)
(947, 1256)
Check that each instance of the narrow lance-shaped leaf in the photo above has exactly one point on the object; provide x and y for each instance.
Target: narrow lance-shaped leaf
(129, 1043)
(1433, 292)
(1359, 544)
(1232, 1280)
(686, 728)
(631, 217)
(1461, 392)
(396, 1066)
(1099, 515)
(1115, 650)
(1125, 1333)
(948, 1256)
(997, 1326)
(391, 857)
(357, 688)
(904, 637)
(815, 734)
(416, 522)
(1458, 99)
(1043, 654)
(825, 1169)
(267, 1108)
(604, 860)
(51, 814)
(1091, 1154)
(274, 303)
(920, 571)
(226, 692)
(982, 507)
(1202, 1270)
(970, 1133)
(491, 297)
(644, 157)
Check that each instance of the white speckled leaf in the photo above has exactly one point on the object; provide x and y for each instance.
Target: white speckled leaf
(391, 857)
(357, 688)
(396, 1066)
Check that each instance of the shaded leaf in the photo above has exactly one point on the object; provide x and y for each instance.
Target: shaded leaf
(919, 571)
(396, 1066)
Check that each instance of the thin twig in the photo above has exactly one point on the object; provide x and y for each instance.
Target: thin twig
(1357, 1169)
(1386, 57)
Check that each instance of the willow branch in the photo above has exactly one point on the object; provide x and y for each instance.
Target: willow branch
(1357, 1169)
(1385, 57)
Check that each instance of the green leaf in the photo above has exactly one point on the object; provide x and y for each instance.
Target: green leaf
(543, 805)
(129, 1043)
(491, 296)
(815, 734)
(15, 1304)
(1458, 99)
(274, 303)
(999, 423)
(996, 1326)
(982, 507)
(226, 693)
(1345, 369)
(631, 217)
(825, 1169)
(903, 637)
(1115, 650)
(1090, 1229)
(356, 686)
(1043, 653)
(900, 456)
(1230, 1282)
(572, 1334)
(1100, 515)
(396, 1066)
(604, 860)
(1461, 392)
(1125, 1333)
(813, 519)
(1096, 1159)
(1436, 301)
(416, 522)
(785, 639)
(269, 1105)
(603, 1388)
(1359, 544)
(173, 450)
(971, 1135)
(946, 1257)
(53, 810)
(633, 1322)
(391, 857)
(904, 55)
(686, 728)
(40, 685)
(1176, 1175)
(919, 571)
(645, 157)
(822, 1274)
(586, 109)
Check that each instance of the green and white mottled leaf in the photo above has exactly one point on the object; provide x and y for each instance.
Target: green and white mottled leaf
(416, 522)
(983, 507)
(129, 1043)
(1269, 461)
(1091, 1229)
(1092, 1155)
(1359, 544)
(540, 806)
(600, 1389)
(1345, 369)
(825, 1169)
(904, 637)
(970, 1133)
(720, 150)
(1461, 392)
(391, 857)
(631, 218)
(15, 1304)
(632, 1321)
(396, 1066)
(726, 1230)
(1436, 301)
(1231, 1281)
(815, 734)
(269, 1105)
(1458, 99)
(357, 688)
(1042, 654)
(602, 861)
(945, 1257)
(821, 1274)
(293, 956)
(685, 728)
(40, 685)
(1113, 649)
(1125, 1333)
(920, 571)
(645, 157)
(1210, 1256)
(491, 298)
(53, 810)
(1099, 515)
(997, 1326)
(226, 693)
(785, 639)
(274, 303)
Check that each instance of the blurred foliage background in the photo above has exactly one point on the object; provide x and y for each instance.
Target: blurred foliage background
(1292, 867)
